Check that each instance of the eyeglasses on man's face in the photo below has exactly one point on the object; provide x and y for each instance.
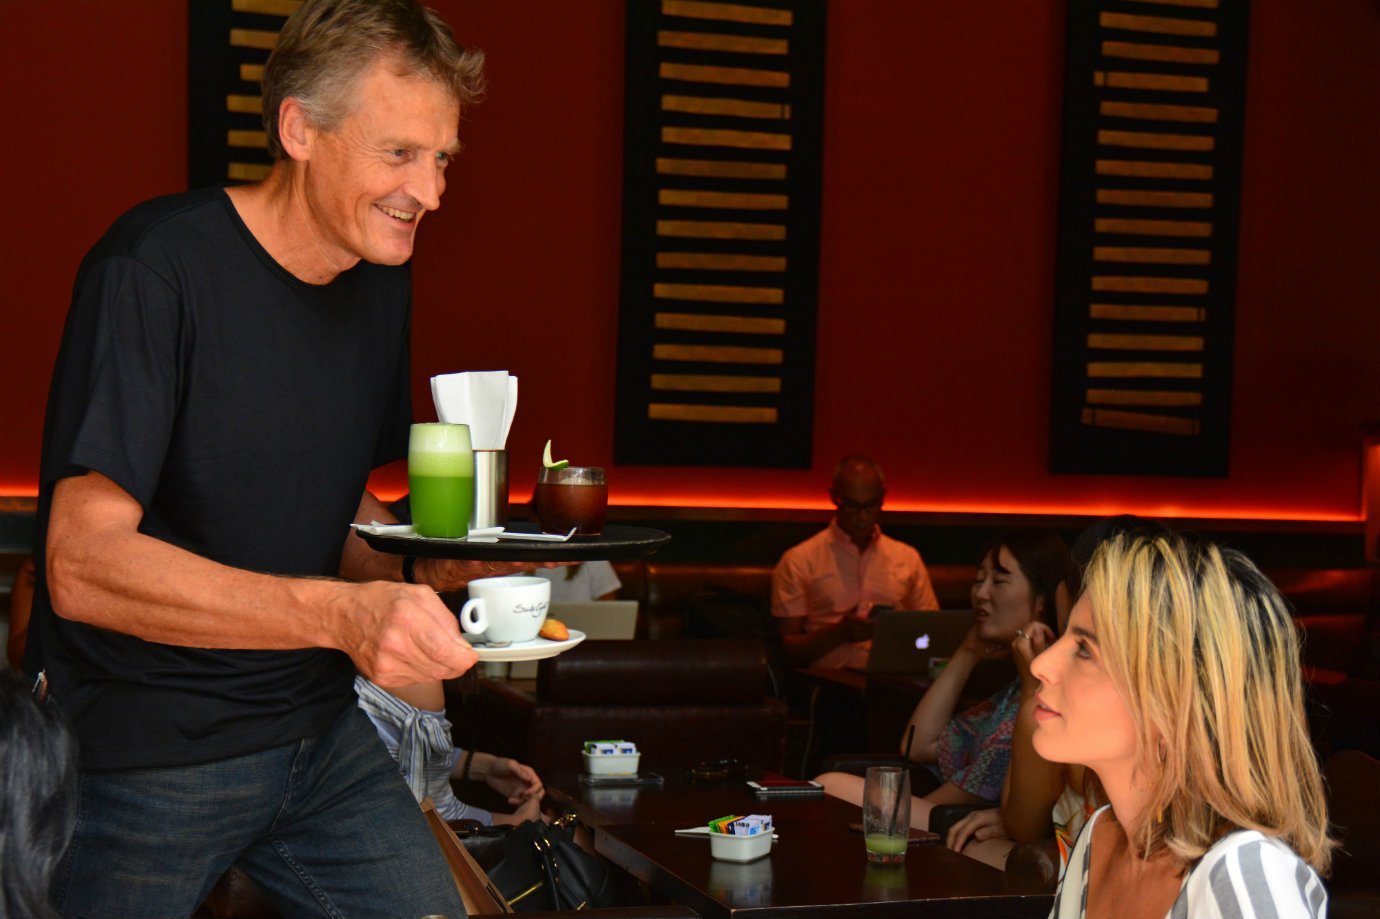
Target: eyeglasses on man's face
(858, 507)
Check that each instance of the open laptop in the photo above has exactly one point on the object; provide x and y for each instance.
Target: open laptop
(904, 641)
(596, 618)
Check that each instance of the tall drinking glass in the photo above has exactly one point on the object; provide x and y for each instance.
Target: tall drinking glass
(886, 814)
(575, 496)
(440, 475)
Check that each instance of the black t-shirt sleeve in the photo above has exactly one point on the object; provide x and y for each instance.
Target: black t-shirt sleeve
(114, 409)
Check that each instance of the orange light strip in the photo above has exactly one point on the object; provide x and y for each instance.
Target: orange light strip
(1051, 510)
(1091, 509)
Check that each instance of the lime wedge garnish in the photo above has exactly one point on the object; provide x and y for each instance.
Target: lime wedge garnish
(547, 462)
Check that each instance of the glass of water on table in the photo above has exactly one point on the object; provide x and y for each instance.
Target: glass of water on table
(886, 814)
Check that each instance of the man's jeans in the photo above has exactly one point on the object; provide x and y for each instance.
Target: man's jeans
(325, 825)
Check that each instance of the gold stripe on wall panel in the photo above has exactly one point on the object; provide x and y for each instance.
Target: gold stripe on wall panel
(1152, 256)
(718, 293)
(709, 382)
(1150, 285)
(734, 76)
(1134, 313)
(1153, 141)
(731, 414)
(1201, 228)
(1149, 170)
(743, 201)
(252, 73)
(1154, 198)
(709, 229)
(1104, 341)
(1198, 114)
(720, 261)
(1161, 397)
(1200, 4)
(739, 108)
(719, 41)
(262, 39)
(1160, 25)
(717, 354)
(251, 105)
(257, 139)
(282, 8)
(697, 322)
(1168, 82)
(720, 169)
(1172, 54)
(1131, 369)
(1135, 421)
(717, 137)
(247, 172)
(727, 12)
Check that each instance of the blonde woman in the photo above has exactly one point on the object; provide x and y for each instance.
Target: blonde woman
(1177, 683)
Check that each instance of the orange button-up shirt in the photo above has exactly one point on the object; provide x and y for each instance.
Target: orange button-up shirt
(826, 577)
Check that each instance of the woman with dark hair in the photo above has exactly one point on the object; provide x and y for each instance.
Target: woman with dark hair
(1018, 579)
(38, 795)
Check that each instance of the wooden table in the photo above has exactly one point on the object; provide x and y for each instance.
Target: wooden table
(817, 869)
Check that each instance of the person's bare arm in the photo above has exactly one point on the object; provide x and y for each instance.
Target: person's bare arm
(1033, 783)
(360, 562)
(937, 705)
(801, 647)
(103, 572)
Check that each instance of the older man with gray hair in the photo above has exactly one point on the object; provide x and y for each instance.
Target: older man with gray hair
(230, 351)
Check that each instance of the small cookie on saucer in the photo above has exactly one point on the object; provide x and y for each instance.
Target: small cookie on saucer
(554, 630)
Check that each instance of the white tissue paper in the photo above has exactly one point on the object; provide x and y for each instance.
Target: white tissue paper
(484, 400)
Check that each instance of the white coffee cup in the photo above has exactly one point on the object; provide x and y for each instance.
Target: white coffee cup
(507, 608)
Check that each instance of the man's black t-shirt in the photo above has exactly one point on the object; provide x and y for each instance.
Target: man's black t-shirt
(243, 409)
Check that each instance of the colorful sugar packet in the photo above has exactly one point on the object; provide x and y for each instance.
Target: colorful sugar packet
(749, 825)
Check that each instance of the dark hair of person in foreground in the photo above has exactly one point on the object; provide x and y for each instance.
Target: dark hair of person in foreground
(38, 796)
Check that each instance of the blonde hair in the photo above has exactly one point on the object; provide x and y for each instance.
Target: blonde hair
(1205, 652)
(327, 44)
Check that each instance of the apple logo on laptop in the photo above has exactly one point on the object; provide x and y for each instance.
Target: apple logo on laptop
(922, 642)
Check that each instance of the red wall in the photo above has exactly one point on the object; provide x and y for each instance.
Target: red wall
(940, 179)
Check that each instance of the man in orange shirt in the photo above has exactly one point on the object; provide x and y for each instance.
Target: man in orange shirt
(823, 590)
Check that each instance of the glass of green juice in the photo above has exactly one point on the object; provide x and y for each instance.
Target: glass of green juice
(886, 814)
(440, 477)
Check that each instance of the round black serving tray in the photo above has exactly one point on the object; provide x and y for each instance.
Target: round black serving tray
(616, 543)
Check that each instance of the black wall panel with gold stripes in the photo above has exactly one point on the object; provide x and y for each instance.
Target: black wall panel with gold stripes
(229, 41)
(724, 116)
(1146, 282)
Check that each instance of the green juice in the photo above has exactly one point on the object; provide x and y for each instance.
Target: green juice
(885, 848)
(442, 493)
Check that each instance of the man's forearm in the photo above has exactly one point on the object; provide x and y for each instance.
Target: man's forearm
(128, 582)
(104, 572)
(804, 648)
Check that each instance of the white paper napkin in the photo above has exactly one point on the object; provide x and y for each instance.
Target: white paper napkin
(484, 400)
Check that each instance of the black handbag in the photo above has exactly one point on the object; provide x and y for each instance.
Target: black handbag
(544, 869)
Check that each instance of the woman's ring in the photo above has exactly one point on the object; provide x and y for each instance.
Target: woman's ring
(490, 567)
(1021, 632)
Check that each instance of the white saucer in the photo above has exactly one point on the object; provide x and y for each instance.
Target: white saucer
(534, 650)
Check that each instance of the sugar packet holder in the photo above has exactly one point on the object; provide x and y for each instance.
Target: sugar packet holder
(610, 747)
(749, 825)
